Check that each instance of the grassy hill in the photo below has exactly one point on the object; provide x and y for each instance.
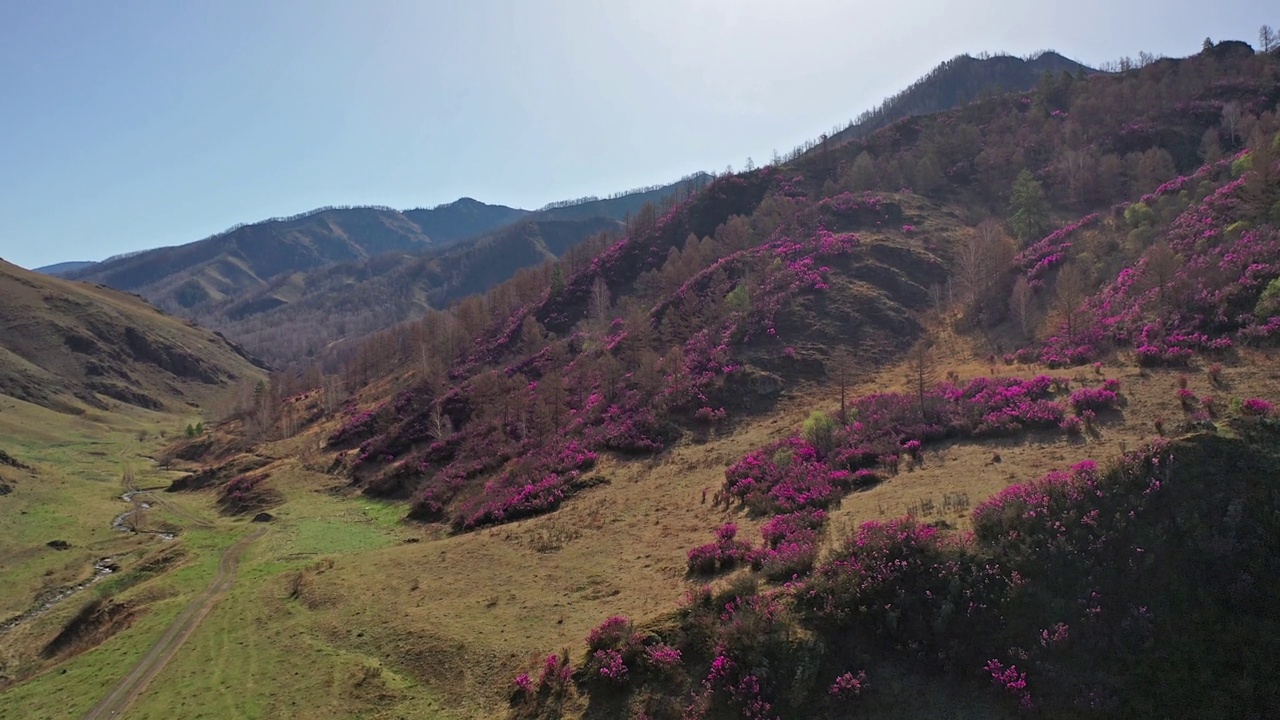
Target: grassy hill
(67, 343)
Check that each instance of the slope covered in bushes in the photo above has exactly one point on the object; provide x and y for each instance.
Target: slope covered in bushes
(1175, 622)
(769, 279)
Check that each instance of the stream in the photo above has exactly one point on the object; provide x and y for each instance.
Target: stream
(103, 567)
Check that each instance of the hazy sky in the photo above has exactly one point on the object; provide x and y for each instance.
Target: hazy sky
(126, 125)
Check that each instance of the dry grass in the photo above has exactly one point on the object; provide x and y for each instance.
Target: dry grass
(463, 614)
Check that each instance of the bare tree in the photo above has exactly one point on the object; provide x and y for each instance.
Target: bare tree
(842, 369)
(1231, 115)
(439, 424)
(1076, 165)
(982, 262)
(1266, 38)
(599, 307)
(1071, 289)
(1162, 265)
(922, 372)
(332, 393)
(1020, 305)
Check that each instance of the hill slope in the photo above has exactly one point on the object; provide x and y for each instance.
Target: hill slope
(61, 339)
(248, 257)
(957, 81)
(66, 268)
(302, 313)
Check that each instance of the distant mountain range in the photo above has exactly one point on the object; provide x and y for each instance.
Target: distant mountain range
(248, 257)
(391, 263)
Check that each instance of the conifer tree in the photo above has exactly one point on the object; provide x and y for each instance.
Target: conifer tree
(1028, 209)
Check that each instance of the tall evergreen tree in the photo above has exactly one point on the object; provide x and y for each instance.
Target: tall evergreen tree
(1028, 209)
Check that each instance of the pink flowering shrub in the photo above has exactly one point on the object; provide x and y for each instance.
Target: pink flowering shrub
(726, 553)
(611, 666)
(847, 686)
(1041, 257)
(662, 656)
(612, 633)
(1010, 681)
(1257, 407)
(1207, 304)
(357, 427)
(245, 494)
(1095, 399)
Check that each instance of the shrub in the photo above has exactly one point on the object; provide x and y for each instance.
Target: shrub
(611, 633)
(1215, 374)
(1072, 425)
(1094, 399)
(1256, 407)
(847, 686)
(820, 430)
(726, 553)
(610, 666)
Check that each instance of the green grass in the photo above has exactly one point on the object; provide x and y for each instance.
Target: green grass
(257, 655)
(71, 688)
(73, 496)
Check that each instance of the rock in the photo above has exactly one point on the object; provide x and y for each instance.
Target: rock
(59, 544)
(263, 517)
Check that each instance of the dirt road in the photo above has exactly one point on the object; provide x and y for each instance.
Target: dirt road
(132, 685)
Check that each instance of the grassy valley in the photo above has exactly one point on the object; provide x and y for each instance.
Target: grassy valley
(968, 414)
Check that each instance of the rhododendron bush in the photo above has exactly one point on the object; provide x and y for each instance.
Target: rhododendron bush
(1022, 605)
(506, 443)
(1201, 298)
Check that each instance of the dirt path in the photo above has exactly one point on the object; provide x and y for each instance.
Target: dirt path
(132, 491)
(133, 684)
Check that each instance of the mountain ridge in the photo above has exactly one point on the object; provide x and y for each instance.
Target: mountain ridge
(963, 78)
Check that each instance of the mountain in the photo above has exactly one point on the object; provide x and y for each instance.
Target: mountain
(790, 397)
(64, 341)
(65, 268)
(248, 257)
(301, 313)
(461, 219)
(625, 204)
(341, 273)
(961, 80)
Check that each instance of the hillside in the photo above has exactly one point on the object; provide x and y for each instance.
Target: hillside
(630, 382)
(63, 342)
(246, 258)
(65, 268)
(304, 313)
(960, 80)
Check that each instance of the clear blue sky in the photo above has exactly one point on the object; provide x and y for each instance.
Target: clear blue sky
(127, 124)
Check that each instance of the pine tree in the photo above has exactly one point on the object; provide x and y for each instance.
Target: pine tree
(1028, 209)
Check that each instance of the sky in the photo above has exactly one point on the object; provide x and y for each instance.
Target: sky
(127, 125)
